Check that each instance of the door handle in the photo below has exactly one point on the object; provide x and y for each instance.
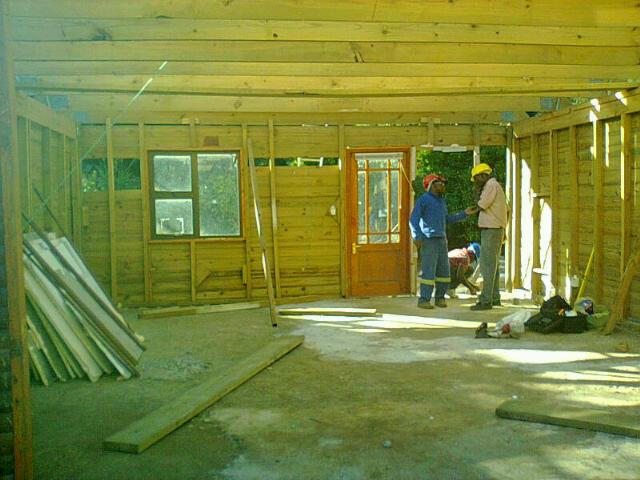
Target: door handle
(354, 248)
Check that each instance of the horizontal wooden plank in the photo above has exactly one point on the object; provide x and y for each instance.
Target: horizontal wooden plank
(194, 103)
(143, 433)
(72, 29)
(504, 12)
(334, 52)
(327, 69)
(325, 86)
(44, 116)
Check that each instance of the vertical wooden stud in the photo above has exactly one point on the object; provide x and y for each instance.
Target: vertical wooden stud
(626, 192)
(76, 196)
(45, 193)
(28, 207)
(553, 200)
(193, 269)
(535, 213)
(413, 262)
(574, 255)
(244, 172)
(517, 215)
(146, 215)
(510, 189)
(598, 196)
(274, 207)
(343, 210)
(16, 454)
(111, 175)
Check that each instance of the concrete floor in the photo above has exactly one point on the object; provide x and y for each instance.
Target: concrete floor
(409, 394)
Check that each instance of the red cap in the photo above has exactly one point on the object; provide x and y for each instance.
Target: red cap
(429, 179)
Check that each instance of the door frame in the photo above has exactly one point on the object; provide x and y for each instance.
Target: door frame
(351, 215)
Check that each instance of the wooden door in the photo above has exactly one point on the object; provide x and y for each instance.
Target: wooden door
(378, 221)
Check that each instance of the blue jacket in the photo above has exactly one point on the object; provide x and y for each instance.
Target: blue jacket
(430, 217)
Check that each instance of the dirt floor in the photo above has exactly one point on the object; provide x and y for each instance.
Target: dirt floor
(409, 394)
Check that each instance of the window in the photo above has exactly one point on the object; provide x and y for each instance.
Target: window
(95, 174)
(195, 194)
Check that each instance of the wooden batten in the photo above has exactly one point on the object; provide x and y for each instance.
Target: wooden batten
(626, 194)
(40, 114)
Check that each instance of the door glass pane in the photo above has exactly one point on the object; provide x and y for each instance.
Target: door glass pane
(395, 238)
(362, 161)
(395, 160)
(379, 239)
(378, 195)
(362, 239)
(172, 173)
(395, 213)
(378, 163)
(362, 208)
(174, 217)
(219, 194)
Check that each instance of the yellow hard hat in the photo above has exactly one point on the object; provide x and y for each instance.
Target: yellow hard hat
(480, 168)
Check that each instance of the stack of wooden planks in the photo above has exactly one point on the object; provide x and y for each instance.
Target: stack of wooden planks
(74, 330)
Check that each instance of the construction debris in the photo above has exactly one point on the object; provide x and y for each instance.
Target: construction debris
(74, 330)
(342, 312)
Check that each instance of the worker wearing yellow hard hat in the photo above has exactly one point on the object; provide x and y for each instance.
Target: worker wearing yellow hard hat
(480, 168)
(492, 221)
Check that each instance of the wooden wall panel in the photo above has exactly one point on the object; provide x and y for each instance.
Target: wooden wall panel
(526, 205)
(634, 296)
(215, 271)
(129, 251)
(95, 236)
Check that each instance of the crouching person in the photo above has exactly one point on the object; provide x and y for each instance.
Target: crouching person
(428, 224)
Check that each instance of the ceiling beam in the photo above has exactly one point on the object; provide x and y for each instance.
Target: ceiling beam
(329, 69)
(126, 29)
(334, 52)
(505, 12)
(318, 86)
(203, 103)
(280, 118)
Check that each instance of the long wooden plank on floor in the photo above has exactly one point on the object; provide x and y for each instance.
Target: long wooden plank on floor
(143, 433)
(195, 310)
(343, 312)
(600, 420)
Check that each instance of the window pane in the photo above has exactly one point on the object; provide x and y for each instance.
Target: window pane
(362, 208)
(362, 239)
(219, 194)
(395, 214)
(127, 174)
(174, 217)
(379, 239)
(395, 238)
(172, 173)
(362, 163)
(378, 163)
(377, 188)
(94, 175)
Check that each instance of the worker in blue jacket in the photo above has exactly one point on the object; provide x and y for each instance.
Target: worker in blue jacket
(428, 224)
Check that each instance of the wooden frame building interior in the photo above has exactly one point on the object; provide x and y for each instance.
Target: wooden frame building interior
(94, 88)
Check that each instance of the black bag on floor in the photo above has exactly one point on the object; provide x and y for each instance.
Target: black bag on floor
(551, 318)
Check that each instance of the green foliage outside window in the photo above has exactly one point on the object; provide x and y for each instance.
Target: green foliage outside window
(456, 168)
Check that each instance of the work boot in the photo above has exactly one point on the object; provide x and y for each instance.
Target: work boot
(440, 302)
(481, 331)
(481, 306)
(426, 305)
